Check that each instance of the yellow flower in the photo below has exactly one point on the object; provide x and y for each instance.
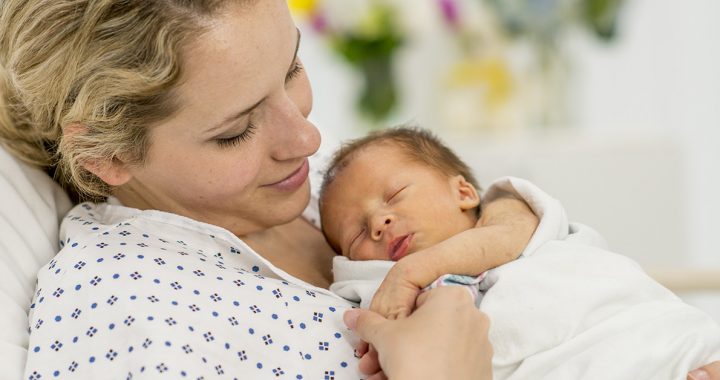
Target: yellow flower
(302, 7)
(492, 73)
(374, 22)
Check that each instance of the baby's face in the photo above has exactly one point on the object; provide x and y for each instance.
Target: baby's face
(384, 206)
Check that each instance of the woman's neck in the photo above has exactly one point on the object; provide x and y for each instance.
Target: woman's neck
(298, 248)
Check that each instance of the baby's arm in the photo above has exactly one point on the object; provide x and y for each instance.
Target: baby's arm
(500, 236)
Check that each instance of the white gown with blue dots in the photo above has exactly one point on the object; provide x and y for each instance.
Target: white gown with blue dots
(146, 294)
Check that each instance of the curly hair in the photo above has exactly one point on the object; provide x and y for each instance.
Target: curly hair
(109, 66)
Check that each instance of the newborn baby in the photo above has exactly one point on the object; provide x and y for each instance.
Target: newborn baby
(403, 195)
(403, 212)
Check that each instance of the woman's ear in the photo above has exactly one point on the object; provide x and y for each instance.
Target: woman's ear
(112, 171)
(465, 193)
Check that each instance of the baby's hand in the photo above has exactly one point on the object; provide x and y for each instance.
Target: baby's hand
(395, 298)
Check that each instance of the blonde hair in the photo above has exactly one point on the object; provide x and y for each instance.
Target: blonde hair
(108, 66)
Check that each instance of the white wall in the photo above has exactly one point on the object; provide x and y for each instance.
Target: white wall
(665, 74)
(666, 67)
(650, 101)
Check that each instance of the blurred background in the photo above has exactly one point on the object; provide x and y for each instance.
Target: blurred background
(611, 106)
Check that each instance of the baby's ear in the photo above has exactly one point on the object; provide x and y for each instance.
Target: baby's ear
(111, 171)
(465, 193)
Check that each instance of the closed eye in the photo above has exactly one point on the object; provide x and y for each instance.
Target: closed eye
(294, 72)
(390, 198)
(226, 142)
(354, 239)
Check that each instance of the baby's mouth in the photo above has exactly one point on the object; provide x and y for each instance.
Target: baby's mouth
(399, 247)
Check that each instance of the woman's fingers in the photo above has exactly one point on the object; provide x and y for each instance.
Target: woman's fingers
(369, 363)
(708, 372)
(366, 324)
(421, 299)
(445, 338)
(378, 376)
(699, 374)
(361, 348)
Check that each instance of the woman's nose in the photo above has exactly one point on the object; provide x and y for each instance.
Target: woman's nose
(380, 224)
(295, 136)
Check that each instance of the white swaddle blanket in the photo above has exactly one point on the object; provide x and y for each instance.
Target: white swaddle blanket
(570, 309)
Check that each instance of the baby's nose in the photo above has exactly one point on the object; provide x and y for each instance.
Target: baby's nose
(382, 224)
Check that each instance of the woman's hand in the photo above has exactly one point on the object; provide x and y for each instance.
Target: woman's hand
(708, 372)
(445, 338)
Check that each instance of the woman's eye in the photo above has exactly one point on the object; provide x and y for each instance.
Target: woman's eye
(235, 140)
(296, 70)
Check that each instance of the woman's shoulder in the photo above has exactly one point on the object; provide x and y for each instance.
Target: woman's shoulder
(93, 235)
(110, 251)
(130, 239)
(106, 224)
(87, 220)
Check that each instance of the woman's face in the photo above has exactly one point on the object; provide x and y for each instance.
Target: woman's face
(235, 154)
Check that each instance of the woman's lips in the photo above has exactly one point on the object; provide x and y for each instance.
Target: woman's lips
(398, 247)
(294, 180)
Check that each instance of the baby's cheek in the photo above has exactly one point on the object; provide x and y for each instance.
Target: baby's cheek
(366, 251)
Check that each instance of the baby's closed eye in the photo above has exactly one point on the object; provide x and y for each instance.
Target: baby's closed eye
(394, 194)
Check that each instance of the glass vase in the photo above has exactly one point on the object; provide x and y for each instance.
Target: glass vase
(378, 96)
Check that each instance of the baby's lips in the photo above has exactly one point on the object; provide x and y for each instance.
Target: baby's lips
(399, 247)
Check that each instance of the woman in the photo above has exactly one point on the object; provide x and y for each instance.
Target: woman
(192, 117)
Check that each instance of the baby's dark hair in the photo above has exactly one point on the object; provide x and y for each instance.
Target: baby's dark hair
(418, 144)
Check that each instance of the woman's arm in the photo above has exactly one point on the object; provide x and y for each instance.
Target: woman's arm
(445, 338)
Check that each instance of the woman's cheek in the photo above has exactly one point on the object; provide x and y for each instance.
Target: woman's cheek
(301, 93)
(237, 177)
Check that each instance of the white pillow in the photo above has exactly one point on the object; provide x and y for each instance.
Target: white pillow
(31, 206)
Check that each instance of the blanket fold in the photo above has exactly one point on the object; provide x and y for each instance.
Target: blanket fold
(570, 309)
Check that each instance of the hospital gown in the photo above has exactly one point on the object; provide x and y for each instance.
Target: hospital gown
(140, 294)
(147, 294)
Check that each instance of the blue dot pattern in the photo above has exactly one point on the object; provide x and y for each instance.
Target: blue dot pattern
(146, 294)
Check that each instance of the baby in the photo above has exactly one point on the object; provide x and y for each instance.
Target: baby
(399, 202)
(404, 211)
(401, 194)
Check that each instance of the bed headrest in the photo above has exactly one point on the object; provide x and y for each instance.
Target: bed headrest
(31, 205)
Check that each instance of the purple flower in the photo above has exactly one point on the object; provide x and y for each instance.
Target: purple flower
(319, 22)
(450, 12)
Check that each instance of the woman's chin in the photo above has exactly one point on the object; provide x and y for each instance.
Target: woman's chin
(289, 209)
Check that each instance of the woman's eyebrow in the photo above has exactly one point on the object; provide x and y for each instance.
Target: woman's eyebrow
(242, 113)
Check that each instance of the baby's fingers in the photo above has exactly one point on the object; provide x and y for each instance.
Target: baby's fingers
(397, 306)
(399, 314)
(394, 311)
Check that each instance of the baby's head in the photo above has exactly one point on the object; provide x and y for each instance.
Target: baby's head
(395, 192)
